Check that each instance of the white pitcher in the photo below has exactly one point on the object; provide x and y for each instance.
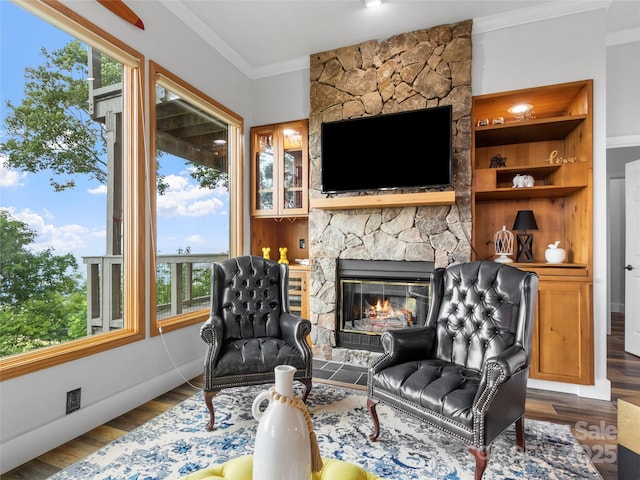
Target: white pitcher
(282, 449)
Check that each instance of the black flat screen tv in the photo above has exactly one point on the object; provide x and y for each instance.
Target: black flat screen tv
(387, 152)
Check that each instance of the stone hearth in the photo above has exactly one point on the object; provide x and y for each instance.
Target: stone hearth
(420, 69)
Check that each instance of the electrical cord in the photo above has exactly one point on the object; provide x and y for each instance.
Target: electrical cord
(166, 348)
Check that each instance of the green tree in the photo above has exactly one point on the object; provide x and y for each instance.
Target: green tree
(52, 129)
(42, 296)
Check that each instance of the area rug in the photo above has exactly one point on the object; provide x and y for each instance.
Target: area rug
(176, 443)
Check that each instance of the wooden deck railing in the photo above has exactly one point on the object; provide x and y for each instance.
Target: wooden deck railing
(105, 288)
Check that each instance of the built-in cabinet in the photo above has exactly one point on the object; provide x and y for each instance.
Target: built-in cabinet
(553, 145)
(280, 201)
(279, 170)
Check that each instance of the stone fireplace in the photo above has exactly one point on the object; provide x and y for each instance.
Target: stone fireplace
(374, 296)
(420, 69)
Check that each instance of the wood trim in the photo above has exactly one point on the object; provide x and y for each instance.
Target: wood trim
(384, 201)
(29, 362)
(61, 16)
(162, 76)
(123, 11)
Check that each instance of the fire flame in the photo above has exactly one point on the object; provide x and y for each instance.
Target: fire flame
(383, 309)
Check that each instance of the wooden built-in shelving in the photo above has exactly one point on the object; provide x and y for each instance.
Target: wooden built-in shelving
(555, 147)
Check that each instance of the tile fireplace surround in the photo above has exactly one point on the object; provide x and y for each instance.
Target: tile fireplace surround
(414, 70)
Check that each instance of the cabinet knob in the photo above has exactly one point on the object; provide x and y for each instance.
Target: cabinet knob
(629, 267)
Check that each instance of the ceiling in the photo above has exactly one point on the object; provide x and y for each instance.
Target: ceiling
(266, 37)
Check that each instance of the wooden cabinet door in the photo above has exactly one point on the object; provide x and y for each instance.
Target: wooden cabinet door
(563, 332)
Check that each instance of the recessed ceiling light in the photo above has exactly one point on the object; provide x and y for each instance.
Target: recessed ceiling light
(372, 3)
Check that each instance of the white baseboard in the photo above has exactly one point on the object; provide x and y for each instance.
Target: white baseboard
(600, 391)
(23, 448)
(617, 307)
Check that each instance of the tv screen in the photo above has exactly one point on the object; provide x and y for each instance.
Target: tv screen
(393, 151)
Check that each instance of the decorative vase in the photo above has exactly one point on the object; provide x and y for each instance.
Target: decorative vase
(282, 449)
(554, 254)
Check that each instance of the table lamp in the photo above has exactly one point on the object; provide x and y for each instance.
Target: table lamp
(525, 221)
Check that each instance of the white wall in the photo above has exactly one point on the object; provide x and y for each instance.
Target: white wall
(617, 158)
(32, 414)
(542, 53)
(623, 92)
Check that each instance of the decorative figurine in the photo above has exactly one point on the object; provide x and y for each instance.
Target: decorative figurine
(555, 254)
(503, 241)
(283, 255)
(265, 252)
(498, 161)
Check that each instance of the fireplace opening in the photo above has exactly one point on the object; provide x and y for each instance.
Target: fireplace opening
(377, 295)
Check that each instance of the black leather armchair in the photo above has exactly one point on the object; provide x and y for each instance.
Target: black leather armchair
(465, 371)
(250, 330)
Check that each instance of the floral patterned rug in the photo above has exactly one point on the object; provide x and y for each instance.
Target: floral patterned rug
(176, 443)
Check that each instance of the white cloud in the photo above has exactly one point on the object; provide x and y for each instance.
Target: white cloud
(196, 239)
(184, 199)
(10, 178)
(99, 190)
(62, 239)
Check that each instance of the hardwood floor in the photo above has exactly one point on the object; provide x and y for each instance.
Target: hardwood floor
(594, 422)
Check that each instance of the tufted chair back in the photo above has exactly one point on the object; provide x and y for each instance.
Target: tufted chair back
(479, 315)
(251, 299)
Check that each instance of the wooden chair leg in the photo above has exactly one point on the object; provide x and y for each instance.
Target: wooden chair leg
(307, 389)
(482, 457)
(520, 433)
(208, 400)
(371, 406)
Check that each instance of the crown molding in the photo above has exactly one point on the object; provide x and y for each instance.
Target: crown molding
(209, 36)
(623, 36)
(536, 13)
(281, 68)
(489, 23)
(623, 141)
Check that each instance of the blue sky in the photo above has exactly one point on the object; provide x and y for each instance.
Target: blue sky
(74, 221)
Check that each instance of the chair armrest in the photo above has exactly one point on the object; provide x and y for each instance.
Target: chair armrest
(211, 331)
(295, 330)
(498, 370)
(510, 361)
(404, 345)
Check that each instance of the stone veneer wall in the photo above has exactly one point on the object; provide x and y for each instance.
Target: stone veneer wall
(411, 71)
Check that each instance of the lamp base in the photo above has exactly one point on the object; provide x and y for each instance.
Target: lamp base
(525, 246)
(502, 258)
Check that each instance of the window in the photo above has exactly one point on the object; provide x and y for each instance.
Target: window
(70, 178)
(196, 143)
(104, 261)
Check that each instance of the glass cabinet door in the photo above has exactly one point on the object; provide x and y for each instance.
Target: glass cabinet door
(264, 172)
(292, 169)
(280, 168)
